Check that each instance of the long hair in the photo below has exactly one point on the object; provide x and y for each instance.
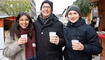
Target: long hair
(15, 27)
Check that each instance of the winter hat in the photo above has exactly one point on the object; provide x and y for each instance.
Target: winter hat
(49, 2)
(94, 17)
(75, 8)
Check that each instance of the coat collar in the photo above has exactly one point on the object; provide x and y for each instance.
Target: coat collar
(76, 24)
(47, 21)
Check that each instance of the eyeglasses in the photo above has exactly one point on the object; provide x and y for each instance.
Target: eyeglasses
(46, 7)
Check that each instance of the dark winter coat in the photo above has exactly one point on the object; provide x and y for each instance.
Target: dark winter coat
(86, 35)
(45, 49)
(92, 24)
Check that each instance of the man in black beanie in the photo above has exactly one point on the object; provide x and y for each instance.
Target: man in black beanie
(93, 23)
(46, 8)
(48, 47)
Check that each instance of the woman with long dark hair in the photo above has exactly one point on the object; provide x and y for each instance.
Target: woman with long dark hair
(20, 43)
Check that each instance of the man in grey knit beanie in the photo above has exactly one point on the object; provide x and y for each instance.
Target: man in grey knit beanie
(73, 7)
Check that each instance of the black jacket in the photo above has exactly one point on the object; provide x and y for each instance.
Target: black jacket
(46, 50)
(92, 24)
(86, 35)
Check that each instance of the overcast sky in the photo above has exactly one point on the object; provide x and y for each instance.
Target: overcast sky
(59, 5)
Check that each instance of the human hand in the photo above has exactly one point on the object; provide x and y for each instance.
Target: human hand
(78, 46)
(21, 41)
(54, 39)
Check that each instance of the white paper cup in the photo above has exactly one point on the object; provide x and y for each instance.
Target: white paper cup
(74, 41)
(52, 34)
(24, 36)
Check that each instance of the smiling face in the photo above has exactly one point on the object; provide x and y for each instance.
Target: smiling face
(23, 21)
(73, 16)
(46, 10)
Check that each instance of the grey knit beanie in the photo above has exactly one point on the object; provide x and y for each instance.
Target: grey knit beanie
(49, 2)
(75, 8)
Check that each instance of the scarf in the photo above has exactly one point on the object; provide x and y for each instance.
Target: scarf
(45, 20)
(30, 46)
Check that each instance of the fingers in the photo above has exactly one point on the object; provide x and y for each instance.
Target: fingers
(77, 46)
(21, 41)
(54, 40)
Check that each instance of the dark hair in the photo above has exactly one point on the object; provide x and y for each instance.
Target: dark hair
(94, 17)
(15, 27)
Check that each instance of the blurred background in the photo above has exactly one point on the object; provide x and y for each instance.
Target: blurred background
(89, 8)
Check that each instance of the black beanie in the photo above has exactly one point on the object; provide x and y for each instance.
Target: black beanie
(94, 17)
(49, 2)
(75, 8)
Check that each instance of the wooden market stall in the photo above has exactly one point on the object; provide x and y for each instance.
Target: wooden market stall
(101, 9)
(5, 25)
(101, 15)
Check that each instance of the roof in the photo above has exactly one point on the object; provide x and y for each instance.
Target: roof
(8, 17)
(3, 16)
